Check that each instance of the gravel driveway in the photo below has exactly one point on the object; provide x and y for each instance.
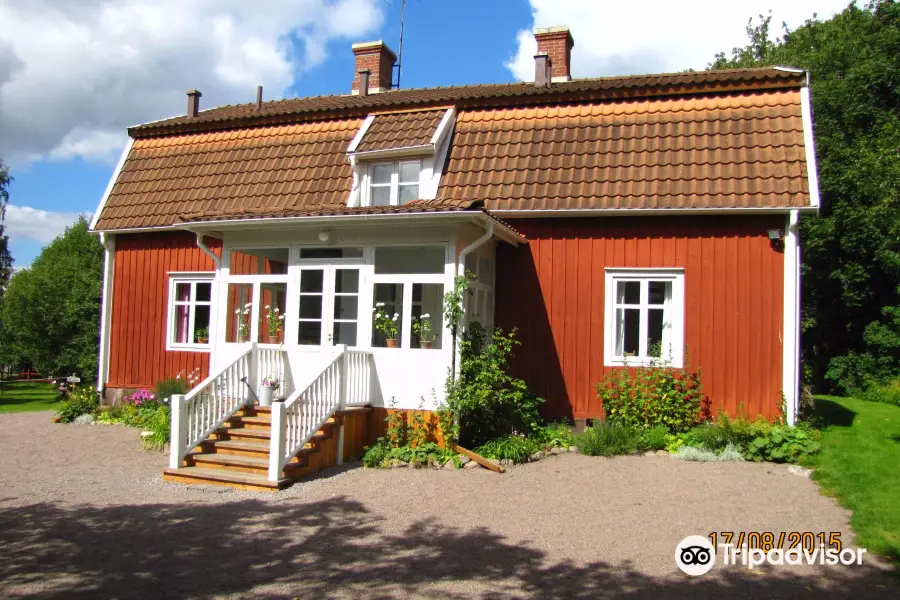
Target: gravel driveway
(84, 513)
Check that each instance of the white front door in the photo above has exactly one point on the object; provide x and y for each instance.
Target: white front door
(329, 305)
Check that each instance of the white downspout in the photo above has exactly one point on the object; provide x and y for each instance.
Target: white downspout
(461, 270)
(213, 314)
(109, 257)
(791, 308)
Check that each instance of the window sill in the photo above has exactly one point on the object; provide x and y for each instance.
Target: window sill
(643, 361)
(189, 348)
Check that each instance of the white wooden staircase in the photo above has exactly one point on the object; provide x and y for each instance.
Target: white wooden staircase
(221, 437)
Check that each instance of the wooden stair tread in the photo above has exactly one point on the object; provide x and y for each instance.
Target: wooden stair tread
(252, 420)
(221, 475)
(239, 445)
(230, 459)
(261, 434)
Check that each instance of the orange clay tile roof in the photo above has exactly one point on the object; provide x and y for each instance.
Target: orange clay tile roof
(734, 151)
(400, 130)
(717, 139)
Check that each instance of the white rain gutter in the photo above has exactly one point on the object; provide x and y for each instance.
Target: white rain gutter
(109, 257)
(202, 245)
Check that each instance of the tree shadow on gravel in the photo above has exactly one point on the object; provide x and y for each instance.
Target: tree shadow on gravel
(328, 549)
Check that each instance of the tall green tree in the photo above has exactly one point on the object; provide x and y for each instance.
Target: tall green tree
(6, 260)
(50, 315)
(851, 251)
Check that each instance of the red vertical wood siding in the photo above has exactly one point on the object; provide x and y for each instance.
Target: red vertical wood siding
(552, 289)
(137, 352)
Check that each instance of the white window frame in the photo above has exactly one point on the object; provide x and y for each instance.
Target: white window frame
(674, 316)
(395, 183)
(192, 302)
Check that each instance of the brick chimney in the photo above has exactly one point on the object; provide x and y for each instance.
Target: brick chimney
(379, 60)
(556, 42)
(193, 103)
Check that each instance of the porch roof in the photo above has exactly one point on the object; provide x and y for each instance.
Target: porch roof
(449, 209)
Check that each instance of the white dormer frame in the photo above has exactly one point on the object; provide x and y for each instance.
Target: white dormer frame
(433, 156)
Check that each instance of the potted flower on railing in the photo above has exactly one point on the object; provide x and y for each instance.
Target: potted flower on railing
(267, 390)
(275, 325)
(422, 328)
(243, 325)
(202, 335)
(386, 325)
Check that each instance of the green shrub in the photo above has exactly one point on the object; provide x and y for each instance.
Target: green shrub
(731, 454)
(512, 447)
(651, 396)
(170, 386)
(783, 443)
(554, 435)
(700, 454)
(606, 438)
(487, 400)
(655, 438)
(159, 424)
(79, 401)
(886, 394)
(376, 454)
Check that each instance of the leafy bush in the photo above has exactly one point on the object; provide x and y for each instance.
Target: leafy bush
(512, 447)
(79, 401)
(554, 435)
(85, 419)
(159, 424)
(606, 438)
(170, 386)
(783, 444)
(487, 400)
(382, 454)
(655, 438)
(376, 455)
(731, 454)
(886, 394)
(651, 396)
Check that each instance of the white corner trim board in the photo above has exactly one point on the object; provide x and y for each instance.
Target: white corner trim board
(112, 183)
(109, 257)
(791, 336)
(809, 142)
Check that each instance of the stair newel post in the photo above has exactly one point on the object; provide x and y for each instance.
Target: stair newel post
(178, 434)
(276, 441)
(342, 401)
(255, 379)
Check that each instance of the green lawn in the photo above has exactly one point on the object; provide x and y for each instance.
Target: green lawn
(860, 465)
(27, 396)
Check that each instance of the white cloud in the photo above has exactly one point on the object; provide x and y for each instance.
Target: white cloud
(42, 226)
(655, 36)
(74, 75)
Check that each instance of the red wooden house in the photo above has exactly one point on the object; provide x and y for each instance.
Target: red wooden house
(613, 221)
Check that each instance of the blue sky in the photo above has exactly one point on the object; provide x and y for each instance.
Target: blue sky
(72, 78)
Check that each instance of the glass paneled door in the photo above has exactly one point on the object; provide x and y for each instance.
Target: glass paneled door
(329, 305)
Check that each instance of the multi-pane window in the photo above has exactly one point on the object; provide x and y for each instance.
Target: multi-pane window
(644, 317)
(189, 312)
(394, 183)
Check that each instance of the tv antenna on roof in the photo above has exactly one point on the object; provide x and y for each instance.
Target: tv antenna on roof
(399, 64)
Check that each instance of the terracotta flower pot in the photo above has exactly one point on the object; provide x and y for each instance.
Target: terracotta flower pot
(202, 340)
(390, 342)
(425, 345)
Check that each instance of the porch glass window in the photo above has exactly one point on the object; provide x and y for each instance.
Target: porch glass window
(239, 313)
(479, 302)
(189, 313)
(409, 283)
(394, 183)
(259, 261)
(346, 306)
(312, 303)
(272, 312)
(645, 317)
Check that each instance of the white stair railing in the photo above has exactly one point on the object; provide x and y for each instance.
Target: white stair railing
(205, 408)
(347, 380)
(273, 362)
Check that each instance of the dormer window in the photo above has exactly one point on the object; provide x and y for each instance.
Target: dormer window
(394, 183)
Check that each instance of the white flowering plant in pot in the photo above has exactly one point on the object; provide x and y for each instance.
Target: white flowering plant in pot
(243, 317)
(386, 324)
(423, 328)
(274, 323)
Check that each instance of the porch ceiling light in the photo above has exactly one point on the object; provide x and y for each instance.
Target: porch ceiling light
(324, 235)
